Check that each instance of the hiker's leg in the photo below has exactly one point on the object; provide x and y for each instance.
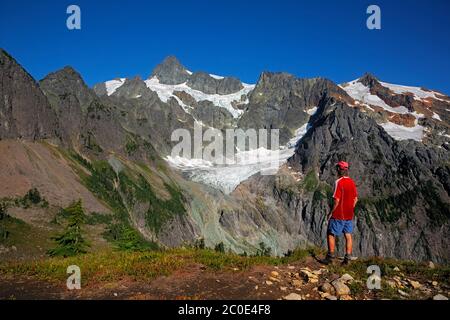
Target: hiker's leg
(348, 243)
(331, 243)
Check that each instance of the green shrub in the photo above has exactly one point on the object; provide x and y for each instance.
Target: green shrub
(220, 247)
(263, 250)
(199, 244)
(98, 218)
(33, 195)
(3, 210)
(131, 146)
(128, 239)
(310, 181)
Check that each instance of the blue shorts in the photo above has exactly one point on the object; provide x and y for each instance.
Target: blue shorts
(338, 227)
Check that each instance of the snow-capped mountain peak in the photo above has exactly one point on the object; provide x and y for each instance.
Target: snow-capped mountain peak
(403, 111)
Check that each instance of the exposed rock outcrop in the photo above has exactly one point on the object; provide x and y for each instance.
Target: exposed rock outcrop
(24, 110)
(282, 101)
(171, 71)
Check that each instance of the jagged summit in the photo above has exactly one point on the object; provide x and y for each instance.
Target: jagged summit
(66, 73)
(171, 71)
(68, 80)
(368, 79)
(5, 55)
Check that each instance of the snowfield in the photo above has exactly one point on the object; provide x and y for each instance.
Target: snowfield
(360, 92)
(228, 177)
(246, 164)
(216, 76)
(404, 133)
(419, 93)
(113, 85)
(165, 92)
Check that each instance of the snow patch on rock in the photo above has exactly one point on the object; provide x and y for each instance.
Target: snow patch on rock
(165, 92)
(399, 132)
(419, 93)
(113, 85)
(216, 77)
(360, 92)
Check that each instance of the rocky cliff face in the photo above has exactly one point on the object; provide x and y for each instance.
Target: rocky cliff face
(24, 110)
(282, 101)
(86, 122)
(204, 82)
(141, 112)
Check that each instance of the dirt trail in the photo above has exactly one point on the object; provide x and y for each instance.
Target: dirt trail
(193, 282)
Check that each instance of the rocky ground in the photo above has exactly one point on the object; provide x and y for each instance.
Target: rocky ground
(305, 280)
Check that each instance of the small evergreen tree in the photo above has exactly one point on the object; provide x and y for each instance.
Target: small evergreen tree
(3, 210)
(71, 241)
(220, 247)
(199, 244)
(263, 251)
(3, 215)
(33, 195)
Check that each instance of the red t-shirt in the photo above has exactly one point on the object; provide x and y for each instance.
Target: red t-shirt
(344, 192)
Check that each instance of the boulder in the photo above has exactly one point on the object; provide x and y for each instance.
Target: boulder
(327, 287)
(414, 284)
(346, 278)
(293, 296)
(340, 287)
(440, 297)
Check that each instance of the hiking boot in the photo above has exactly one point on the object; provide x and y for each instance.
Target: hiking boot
(346, 260)
(328, 259)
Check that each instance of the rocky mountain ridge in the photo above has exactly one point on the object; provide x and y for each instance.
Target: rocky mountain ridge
(24, 110)
(117, 136)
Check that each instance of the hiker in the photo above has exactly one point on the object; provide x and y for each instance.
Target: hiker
(340, 219)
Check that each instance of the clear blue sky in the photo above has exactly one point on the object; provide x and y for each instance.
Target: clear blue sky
(234, 37)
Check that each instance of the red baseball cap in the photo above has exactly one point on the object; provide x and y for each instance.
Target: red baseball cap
(342, 165)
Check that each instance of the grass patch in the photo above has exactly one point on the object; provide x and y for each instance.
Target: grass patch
(32, 198)
(131, 146)
(96, 218)
(104, 266)
(28, 239)
(114, 265)
(310, 181)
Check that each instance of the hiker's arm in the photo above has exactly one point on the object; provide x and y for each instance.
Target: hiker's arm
(356, 201)
(335, 205)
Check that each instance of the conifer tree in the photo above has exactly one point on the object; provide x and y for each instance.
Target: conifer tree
(71, 242)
